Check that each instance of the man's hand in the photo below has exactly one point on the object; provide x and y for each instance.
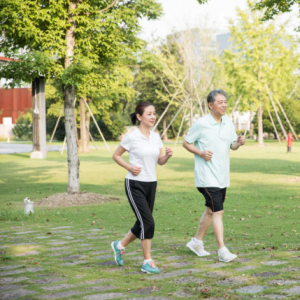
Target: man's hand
(241, 140)
(169, 152)
(207, 155)
(134, 170)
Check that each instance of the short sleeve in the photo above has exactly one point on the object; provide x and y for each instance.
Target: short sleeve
(193, 134)
(126, 143)
(160, 143)
(233, 136)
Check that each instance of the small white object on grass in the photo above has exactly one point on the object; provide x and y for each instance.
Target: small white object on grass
(28, 206)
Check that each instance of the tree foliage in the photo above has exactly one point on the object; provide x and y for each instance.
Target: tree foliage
(274, 7)
(262, 54)
(23, 128)
(78, 43)
(40, 28)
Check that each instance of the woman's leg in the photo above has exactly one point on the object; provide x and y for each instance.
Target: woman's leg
(129, 238)
(146, 246)
(146, 243)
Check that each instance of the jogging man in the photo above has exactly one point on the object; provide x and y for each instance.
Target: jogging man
(210, 140)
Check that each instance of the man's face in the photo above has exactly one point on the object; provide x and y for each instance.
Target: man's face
(219, 106)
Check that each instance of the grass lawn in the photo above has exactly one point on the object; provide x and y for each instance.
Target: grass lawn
(261, 223)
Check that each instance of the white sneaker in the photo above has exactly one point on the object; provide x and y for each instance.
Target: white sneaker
(226, 255)
(197, 247)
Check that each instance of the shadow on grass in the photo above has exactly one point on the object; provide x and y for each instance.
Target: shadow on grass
(240, 165)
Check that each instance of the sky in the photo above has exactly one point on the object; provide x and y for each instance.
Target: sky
(215, 13)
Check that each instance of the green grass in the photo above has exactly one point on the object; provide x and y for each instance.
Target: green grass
(261, 212)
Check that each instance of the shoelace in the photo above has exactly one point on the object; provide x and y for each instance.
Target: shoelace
(198, 246)
(122, 253)
(152, 264)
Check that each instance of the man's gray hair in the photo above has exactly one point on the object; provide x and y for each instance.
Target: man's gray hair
(212, 95)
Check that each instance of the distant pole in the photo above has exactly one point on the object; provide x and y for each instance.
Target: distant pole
(235, 105)
(62, 149)
(178, 134)
(93, 140)
(294, 89)
(287, 119)
(55, 127)
(191, 95)
(96, 124)
(166, 109)
(276, 113)
(173, 119)
(277, 135)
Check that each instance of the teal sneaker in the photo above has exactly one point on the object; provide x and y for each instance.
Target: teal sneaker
(118, 253)
(150, 268)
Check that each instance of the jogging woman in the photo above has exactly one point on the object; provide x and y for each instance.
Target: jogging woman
(145, 151)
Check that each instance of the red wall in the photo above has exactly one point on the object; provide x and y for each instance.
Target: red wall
(13, 101)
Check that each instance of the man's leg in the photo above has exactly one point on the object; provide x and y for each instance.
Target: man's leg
(217, 223)
(196, 244)
(223, 253)
(204, 223)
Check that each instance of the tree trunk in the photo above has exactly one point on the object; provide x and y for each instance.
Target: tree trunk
(251, 130)
(73, 161)
(75, 122)
(69, 96)
(173, 130)
(165, 137)
(87, 127)
(260, 137)
(83, 138)
(260, 127)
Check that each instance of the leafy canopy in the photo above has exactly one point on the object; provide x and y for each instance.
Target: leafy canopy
(101, 38)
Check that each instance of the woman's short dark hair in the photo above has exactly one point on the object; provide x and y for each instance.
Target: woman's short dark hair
(212, 95)
(140, 109)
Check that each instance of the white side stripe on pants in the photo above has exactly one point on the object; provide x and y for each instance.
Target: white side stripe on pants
(142, 236)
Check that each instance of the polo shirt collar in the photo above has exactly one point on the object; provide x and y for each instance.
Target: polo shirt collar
(140, 135)
(213, 121)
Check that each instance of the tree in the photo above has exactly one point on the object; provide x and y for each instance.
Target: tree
(75, 42)
(262, 55)
(150, 85)
(23, 128)
(274, 7)
(189, 67)
(291, 108)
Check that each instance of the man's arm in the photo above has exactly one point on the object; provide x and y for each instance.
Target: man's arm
(207, 155)
(240, 142)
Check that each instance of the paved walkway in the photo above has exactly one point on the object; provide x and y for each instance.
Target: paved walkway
(47, 262)
(9, 148)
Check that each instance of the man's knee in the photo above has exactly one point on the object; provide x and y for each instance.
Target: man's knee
(209, 212)
(219, 213)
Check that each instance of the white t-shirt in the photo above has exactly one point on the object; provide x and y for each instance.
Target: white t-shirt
(143, 153)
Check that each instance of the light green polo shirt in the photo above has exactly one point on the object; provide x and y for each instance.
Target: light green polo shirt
(207, 134)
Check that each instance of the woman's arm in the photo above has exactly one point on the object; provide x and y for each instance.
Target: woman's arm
(120, 161)
(164, 158)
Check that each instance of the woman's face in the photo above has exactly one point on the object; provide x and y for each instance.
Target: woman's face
(149, 116)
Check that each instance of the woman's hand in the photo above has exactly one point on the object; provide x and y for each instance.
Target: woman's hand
(169, 152)
(134, 170)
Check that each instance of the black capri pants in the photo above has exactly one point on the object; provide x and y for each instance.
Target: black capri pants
(141, 196)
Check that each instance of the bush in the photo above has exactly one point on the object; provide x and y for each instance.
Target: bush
(111, 132)
(50, 125)
(23, 127)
